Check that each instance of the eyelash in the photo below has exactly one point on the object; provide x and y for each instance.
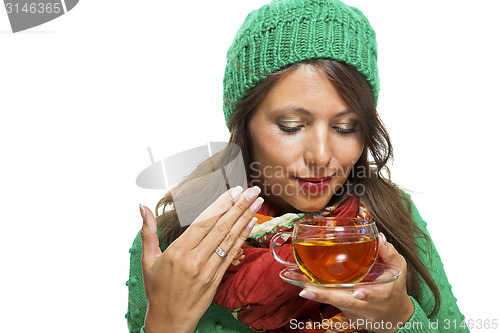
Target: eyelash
(341, 131)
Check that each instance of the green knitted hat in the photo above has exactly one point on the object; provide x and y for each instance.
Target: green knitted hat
(286, 32)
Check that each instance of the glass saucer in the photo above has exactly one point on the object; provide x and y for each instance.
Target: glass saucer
(379, 274)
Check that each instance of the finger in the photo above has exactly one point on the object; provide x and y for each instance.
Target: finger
(373, 293)
(230, 225)
(234, 251)
(205, 222)
(239, 232)
(336, 297)
(389, 254)
(150, 244)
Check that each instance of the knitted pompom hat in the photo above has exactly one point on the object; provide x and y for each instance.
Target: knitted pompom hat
(286, 32)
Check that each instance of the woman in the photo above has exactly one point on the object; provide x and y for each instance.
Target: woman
(300, 92)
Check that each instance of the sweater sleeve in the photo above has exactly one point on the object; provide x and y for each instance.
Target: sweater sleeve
(448, 318)
(137, 303)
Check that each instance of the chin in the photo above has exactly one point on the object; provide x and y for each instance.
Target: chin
(311, 207)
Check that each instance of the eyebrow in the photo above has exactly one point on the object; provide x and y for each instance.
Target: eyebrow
(308, 113)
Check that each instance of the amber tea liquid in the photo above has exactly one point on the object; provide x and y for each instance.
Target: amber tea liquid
(344, 259)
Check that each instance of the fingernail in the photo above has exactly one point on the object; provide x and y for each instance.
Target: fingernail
(251, 223)
(253, 193)
(307, 294)
(384, 240)
(235, 193)
(143, 213)
(256, 204)
(358, 295)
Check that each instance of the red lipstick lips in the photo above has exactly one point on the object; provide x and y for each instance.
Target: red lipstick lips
(314, 184)
(315, 180)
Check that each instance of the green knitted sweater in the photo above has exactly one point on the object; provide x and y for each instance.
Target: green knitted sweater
(218, 319)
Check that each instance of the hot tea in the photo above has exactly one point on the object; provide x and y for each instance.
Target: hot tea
(344, 259)
(331, 250)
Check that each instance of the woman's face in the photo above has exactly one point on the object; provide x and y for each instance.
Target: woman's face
(305, 141)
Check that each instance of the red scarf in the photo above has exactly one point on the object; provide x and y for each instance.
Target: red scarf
(255, 294)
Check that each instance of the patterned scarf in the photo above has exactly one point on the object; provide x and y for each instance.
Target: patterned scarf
(255, 294)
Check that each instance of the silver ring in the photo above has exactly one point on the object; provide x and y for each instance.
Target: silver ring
(341, 308)
(220, 252)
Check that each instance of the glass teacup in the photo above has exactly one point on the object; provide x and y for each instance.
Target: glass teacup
(332, 249)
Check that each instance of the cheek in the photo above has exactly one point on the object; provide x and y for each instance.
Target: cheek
(350, 151)
(273, 150)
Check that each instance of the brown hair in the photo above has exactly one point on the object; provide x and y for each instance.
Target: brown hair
(389, 205)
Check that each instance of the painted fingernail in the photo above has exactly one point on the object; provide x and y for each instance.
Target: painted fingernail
(143, 213)
(234, 193)
(307, 294)
(358, 295)
(251, 223)
(253, 193)
(256, 204)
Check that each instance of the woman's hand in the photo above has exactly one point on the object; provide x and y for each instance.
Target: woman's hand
(181, 282)
(378, 308)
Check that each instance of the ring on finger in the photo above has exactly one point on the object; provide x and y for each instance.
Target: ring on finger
(341, 308)
(220, 252)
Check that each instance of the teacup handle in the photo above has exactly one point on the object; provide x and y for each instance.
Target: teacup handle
(274, 244)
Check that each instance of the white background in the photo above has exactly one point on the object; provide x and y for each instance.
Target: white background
(83, 96)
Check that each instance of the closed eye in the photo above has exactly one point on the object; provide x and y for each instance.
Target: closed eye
(290, 129)
(344, 131)
(340, 130)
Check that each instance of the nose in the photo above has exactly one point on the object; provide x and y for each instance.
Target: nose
(318, 152)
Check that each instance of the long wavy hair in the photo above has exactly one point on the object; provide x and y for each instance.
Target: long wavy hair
(389, 205)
